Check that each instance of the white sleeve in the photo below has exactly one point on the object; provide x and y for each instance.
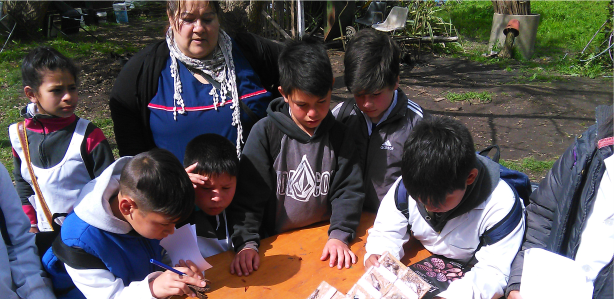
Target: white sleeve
(21, 266)
(98, 283)
(488, 278)
(389, 231)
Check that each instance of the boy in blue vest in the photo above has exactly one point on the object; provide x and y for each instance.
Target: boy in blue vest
(298, 166)
(105, 246)
(380, 116)
(454, 197)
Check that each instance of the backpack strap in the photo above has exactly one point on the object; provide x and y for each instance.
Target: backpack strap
(76, 257)
(505, 226)
(400, 199)
(346, 109)
(486, 151)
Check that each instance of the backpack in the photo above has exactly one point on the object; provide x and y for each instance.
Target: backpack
(519, 183)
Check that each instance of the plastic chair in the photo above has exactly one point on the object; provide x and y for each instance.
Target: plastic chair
(374, 14)
(396, 20)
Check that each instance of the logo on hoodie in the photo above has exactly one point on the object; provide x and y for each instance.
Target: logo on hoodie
(387, 145)
(303, 183)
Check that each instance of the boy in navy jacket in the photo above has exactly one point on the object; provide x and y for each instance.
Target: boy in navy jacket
(298, 166)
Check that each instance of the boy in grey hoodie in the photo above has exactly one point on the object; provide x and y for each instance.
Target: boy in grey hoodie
(298, 166)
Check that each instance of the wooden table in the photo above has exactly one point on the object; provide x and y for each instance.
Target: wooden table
(290, 265)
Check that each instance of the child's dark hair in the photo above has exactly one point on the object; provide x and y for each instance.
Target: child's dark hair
(45, 59)
(158, 183)
(372, 62)
(214, 153)
(304, 65)
(437, 158)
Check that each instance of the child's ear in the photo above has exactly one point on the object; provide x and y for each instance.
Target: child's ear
(31, 94)
(473, 174)
(126, 205)
(283, 94)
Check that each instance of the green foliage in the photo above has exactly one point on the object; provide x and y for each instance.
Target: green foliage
(534, 168)
(481, 97)
(422, 19)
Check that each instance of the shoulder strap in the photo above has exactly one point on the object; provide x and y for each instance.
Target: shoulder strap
(505, 226)
(23, 139)
(486, 151)
(75, 257)
(400, 199)
(346, 109)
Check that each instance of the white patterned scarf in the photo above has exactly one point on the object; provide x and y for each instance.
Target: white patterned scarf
(220, 67)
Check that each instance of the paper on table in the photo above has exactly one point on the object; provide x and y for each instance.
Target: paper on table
(549, 275)
(182, 245)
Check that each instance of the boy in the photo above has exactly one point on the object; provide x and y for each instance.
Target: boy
(212, 160)
(66, 151)
(454, 197)
(380, 116)
(572, 210)
(298, 166)
(105, 246)
(21, 275)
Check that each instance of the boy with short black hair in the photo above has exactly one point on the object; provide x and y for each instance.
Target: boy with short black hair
(380, 116)
(298, 166)
(212, 164)
(105, 246)
(454, 197)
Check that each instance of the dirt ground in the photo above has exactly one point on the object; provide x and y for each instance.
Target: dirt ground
(538, 119)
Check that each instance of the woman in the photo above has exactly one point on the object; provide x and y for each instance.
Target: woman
(196, 81)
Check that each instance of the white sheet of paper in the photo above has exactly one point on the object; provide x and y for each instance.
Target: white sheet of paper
(549, 275)
(182, 245)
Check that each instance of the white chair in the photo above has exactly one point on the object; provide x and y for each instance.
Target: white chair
(396, 20)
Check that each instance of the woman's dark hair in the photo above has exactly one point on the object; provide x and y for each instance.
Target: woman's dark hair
(304, 65)
(158, 183)
(45, 59)
(214, 154)
(437, 158)
(175, 7)
(372, 62)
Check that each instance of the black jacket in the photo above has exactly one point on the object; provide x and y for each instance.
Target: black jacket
(558, 209)
(137, 84)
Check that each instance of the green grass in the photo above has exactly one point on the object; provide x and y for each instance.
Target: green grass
(482, 97)
(565, 28)
(535, 169)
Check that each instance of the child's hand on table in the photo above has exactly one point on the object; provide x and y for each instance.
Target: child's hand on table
(373, 260)
(340, 254)
(169, 283)
(245, 262)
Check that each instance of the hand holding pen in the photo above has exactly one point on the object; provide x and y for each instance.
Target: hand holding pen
(174, 281)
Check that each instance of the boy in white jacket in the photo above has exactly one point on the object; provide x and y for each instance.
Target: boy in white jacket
(21, 274)
(454, 197)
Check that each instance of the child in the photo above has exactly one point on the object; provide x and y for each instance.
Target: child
(21, 275)
(66, 151)
(572, 210)
(214, 158)
(298, 166)
(455, 196)
(105, 246)
(380, 115)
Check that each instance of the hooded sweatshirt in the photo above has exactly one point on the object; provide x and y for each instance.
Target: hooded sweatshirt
(288, 179)
(93, 229)
(456, 234)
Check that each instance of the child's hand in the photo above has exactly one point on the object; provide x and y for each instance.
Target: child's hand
(514, 295)
(192, 266)
(245, 262)
(339, 254)
(373, 260)
(34, 230)
(197, 179)
(170, 283)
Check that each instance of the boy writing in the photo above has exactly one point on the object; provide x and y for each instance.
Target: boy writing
(380, 116)
(298, 166)
(454, 197)
(105, 246)
(212, 164)
(66, 151)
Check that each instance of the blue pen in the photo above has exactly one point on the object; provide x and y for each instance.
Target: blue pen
(161, 265)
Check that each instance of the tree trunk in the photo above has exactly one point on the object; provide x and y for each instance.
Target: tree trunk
(514, 7)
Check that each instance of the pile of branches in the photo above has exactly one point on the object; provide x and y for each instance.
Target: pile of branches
(514, 7)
